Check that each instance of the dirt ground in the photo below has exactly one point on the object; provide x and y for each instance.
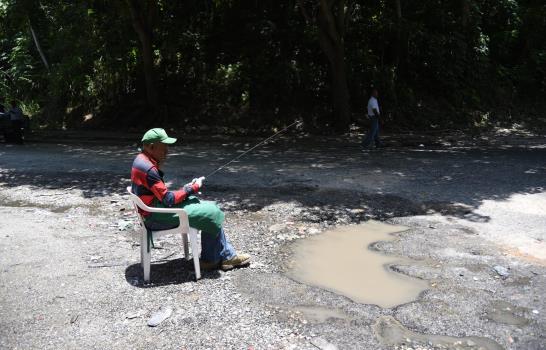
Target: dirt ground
(475, 209)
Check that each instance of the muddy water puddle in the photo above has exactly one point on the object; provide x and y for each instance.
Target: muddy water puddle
(317, 314)
(390, 332)
(24, 204)
(340, 261)
(503, 312)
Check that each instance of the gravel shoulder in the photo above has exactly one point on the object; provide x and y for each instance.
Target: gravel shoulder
(70, 278)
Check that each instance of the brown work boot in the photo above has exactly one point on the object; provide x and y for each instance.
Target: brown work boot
(238, 260)
(208, 266)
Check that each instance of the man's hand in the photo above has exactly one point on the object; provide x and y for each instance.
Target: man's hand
(194, 186)
(199, 181)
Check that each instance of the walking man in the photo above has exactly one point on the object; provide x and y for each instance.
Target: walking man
(373, 116)
(16, 119)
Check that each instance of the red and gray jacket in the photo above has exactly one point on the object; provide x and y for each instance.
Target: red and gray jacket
(147, 183)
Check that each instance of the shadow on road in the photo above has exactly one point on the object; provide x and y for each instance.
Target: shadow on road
(176, 271)
(92, 184)
(328, 179)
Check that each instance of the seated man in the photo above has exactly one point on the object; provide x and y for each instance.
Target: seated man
(147, 183)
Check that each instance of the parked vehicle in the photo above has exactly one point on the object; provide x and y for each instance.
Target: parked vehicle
(13, 130)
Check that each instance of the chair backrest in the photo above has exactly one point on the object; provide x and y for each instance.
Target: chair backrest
(134, 200)
(138, 203)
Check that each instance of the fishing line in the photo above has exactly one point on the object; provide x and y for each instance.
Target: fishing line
(247, 151)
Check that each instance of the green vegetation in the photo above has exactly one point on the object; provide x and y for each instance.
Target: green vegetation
(255, 65)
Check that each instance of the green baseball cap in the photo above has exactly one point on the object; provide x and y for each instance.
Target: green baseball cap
(157, 135)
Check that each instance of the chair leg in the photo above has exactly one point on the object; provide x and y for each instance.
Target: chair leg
(142, 247)
(186, 247)
(146, 257)
(195, 252)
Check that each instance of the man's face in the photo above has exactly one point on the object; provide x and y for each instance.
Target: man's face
(158, 151)
(375, 93)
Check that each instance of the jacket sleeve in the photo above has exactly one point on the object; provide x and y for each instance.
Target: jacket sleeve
(157, 186)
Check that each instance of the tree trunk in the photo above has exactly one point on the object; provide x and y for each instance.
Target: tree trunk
(142, 23)
(465, 53)
(148, 67)
(340, 96)
(38, 47)
(465, 13)
(402, 42)
(331, 27)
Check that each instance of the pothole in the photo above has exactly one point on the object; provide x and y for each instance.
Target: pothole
(340, 261)
(25, 204)
(503, 312)
(318, 314)
(390, 332)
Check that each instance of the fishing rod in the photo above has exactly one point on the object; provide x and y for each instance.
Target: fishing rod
(247, 151)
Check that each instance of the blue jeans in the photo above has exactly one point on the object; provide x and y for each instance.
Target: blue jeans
(214, 248)
(373, 134)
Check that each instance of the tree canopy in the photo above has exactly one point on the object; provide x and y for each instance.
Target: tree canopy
(255, 65)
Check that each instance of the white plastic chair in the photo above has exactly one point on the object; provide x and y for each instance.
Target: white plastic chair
(184, 228)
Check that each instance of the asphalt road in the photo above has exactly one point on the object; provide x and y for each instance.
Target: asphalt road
(70, 277)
